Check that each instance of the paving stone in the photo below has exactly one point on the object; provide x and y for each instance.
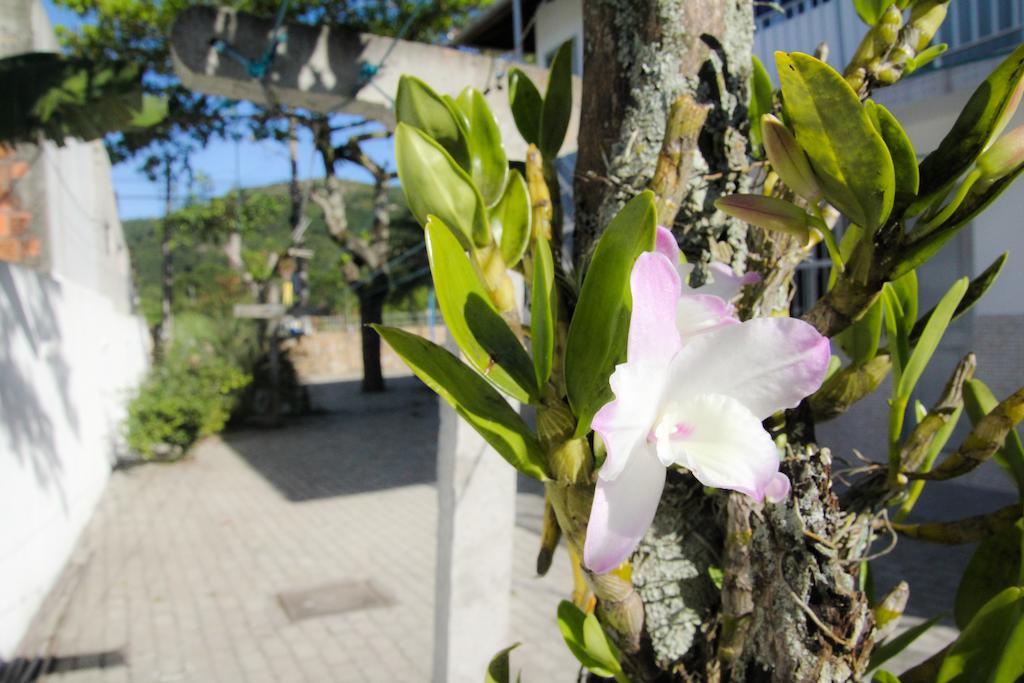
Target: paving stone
(183, 562)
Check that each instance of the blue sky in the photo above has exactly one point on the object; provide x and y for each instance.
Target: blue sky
(226, 164)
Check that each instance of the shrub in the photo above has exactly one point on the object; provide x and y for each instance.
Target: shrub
(189, 394)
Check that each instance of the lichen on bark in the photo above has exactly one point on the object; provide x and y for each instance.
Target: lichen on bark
(640, 57)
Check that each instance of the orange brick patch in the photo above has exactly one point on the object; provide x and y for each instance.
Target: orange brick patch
(15, 243)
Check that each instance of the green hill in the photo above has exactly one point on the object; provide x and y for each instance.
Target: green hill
(203, 281)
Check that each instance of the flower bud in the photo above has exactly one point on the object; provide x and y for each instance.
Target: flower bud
(571, 461)
(890, 609)
(788, 160)
(768, 213)
(925, 18)
(1005, 155)
(888, 26)
(1011, 109)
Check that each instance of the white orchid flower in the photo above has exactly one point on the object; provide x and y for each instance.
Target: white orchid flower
(693, 392)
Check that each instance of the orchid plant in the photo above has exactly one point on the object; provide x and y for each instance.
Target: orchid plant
(634, 373)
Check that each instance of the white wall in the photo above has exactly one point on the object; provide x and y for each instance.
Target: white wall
(69, 360)
(556, 22)
(72, 353)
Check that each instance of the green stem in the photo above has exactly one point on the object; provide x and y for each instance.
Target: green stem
(830, 241)
(897, 413)
(935, 221)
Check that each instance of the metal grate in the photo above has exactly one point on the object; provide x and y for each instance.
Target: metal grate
(333, 598)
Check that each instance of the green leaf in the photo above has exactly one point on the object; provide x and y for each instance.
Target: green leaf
(975, 291)
(895, 330)
(906, 291)
(860, 340)
(851, 238)
(587, 641)
(848, 155)
(599, 646)
(870, 11)
(760, 100)
(153, 111)
(991, 648)
(930, 338)
(435, 185)
(472, 398)
(885, 677)
(488, 164)
(994, 566)
(511, 219)
(922, 249)
(542, 319)
(498, 669)
(979, 122)
(716, 575)
(526, 104)
(979, 401)
(474, 322)
(892, 647)
(58, 97)
(901, 150)
(925, 57)
(600, 323)
(418, 105)
(557, 107)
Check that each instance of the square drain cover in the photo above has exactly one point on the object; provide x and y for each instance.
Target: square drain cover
(333, 598)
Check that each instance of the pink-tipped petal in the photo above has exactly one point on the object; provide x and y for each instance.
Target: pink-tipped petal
(724, 282)
(750, 278)
(654, 283)
(665, 243)
(700, 313)
(724, 445)
(777, 489)
(623, 509)
(767, 364)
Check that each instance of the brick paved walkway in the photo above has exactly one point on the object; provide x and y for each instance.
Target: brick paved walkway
(177, 576)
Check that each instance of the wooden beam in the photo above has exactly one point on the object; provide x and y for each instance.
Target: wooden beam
(322, 69)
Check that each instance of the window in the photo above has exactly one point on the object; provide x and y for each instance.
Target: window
(965, 23)
(984, 19)
(1005, 14)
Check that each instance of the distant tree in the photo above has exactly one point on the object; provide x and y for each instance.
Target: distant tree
(56, 97)
(137, 31)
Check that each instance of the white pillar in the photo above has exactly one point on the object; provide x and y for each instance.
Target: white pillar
(476, 517)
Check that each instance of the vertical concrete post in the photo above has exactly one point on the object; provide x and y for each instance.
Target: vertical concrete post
(476, 517)
(476, 514)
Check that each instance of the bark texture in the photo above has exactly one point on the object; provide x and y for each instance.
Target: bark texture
(640, 57)
(731, 590)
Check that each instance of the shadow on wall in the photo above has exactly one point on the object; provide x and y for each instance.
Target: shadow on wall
(29, 321)
(365, 443)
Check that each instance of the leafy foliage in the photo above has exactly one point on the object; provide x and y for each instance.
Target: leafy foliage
(189, 394)
(205, 283)
(59, 97)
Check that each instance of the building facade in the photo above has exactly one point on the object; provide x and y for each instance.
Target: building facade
(73, 349)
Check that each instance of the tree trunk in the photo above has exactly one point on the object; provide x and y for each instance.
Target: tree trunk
(295, 217)
(788, 608)
(371, 311)
(163, 332)
(638, 58)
